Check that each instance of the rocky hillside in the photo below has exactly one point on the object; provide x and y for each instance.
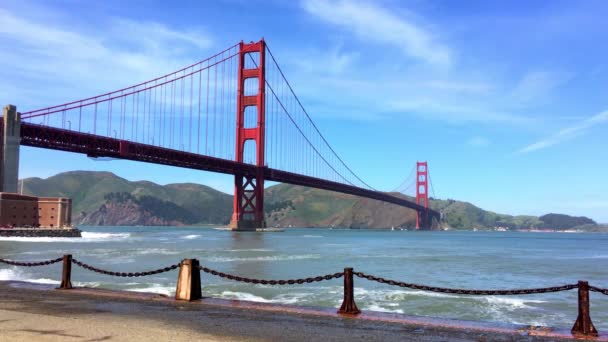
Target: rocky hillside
(93, 204)
(102, 198)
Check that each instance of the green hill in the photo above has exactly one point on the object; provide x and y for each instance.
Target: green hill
(102, 198)
(88, 191)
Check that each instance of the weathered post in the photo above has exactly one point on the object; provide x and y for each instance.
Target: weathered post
(66, 275)
(348, 304)
(583, 324)
(188, 281)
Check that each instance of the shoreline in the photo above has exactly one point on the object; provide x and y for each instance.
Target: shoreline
(124, 315)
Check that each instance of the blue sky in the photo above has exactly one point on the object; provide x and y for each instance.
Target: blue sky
(507, 102)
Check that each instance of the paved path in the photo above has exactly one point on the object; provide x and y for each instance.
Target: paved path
(35, 313)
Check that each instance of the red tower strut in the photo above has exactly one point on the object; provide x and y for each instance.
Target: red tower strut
(422, 194)
(248, 211)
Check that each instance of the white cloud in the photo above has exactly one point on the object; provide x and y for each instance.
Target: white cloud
(371, 22)
(458, 86)
(82, 61)
(536, 85)
(567, 133)
(455, 112)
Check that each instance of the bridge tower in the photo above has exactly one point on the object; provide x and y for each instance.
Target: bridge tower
(10, 139)
(422, 195)
(248, 212)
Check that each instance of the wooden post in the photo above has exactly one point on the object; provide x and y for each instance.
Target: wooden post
(66, 276)
(348, 304)
(583, 324)
(188, 281)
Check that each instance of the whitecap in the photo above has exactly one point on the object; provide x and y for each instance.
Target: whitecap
(510, 302)
(265, 258)
(290, 298)
(155, 288)
(191, 236)
(376, 307)
(96, 235)
(312, 236)
(161, 251)
(86, 237)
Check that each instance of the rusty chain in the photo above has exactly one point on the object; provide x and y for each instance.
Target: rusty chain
(467, 292)
(30, 263)
(598, 289)
(271, 282)
(313, 279)
(124, 274)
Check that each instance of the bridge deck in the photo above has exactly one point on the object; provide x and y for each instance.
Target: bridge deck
(99, 146)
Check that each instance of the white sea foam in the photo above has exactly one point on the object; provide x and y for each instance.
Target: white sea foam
(191, 237)
(289, 298)
(376, 307)
(86, 237)
(156, 288)
(96, 235)
(510, 302)
(266, 258)
(160, 251)
(243, 296)
(18, 275)
(250, 250)
(312, 236)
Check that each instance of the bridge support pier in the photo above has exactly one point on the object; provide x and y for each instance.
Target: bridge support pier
(10, 140)
(248, 212)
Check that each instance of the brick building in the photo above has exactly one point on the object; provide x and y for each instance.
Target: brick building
(29, 211)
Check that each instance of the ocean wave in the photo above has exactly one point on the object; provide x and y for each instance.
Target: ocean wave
(250, 250)
(17, 275)
(96, 235)
(191, 237)
(86, 237)
(397, 295)
(265, 258)
(291, 298)
(161, 251)
(155, 288)
(510, 302)
(39, 239)
(312, 236)
(376, 307)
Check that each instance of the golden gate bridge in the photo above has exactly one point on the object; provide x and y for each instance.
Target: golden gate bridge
(186, 119)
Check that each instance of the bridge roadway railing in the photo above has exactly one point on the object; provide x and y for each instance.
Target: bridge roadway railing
(34, 135)
(189, 285)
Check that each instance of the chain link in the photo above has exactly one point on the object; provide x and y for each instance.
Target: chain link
(30, 263)
(271, 282)
(313, 279)
(598, 289)
(124, 274)
(467, 292)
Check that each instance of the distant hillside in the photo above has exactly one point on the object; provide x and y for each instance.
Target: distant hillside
(89, 191)
(102, 198)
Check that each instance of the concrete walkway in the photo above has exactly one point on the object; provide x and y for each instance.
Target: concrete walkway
(30, 312)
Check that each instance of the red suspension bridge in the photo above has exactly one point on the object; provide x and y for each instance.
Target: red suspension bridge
(186, 119)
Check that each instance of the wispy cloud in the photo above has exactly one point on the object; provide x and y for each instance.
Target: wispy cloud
(84, 60)
(536, 85)
(456, 112)
(371, 22)
(567, 133)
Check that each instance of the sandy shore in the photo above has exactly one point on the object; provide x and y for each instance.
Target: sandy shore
(30, 312)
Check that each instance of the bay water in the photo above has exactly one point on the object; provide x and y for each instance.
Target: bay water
(469, 260)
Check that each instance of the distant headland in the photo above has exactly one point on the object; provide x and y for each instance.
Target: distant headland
(102, 198)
